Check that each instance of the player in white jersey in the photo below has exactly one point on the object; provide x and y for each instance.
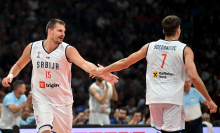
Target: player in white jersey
(51, 78)
(100, 94)
(167, 63)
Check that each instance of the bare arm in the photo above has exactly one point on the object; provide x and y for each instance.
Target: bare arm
(98, 97)
(74, 56)
(126, 62)
(197, 81)
(18, 66)
(121, 64)
(15, 109)
(115, 94)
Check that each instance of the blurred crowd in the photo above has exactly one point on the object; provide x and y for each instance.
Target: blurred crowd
(104, 31)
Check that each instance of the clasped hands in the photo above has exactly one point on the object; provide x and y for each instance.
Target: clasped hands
(109, 77)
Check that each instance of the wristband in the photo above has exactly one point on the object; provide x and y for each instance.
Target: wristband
(10, 75)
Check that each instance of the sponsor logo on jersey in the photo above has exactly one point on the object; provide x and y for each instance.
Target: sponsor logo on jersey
(52, 85)
(192, 98)
(45, 64)
(42, 84)
(155, 74)
(47, 57)
(38, 56)
(162, 74)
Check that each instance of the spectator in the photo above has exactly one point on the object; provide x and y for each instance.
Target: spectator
(86, 116)
(120, 118)
(79, 119)
(136, 117)
(26, 119)
(101, 92)
(13, 105)
(146, 119)
(131, 106)
(193, 119)
(206, 121)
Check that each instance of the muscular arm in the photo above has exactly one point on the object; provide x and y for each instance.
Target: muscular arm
(191, 69)
(15, 109)
(98, 97)
(18, 66)
(126, 62)
(115, 94)
(22, 62)
(74, 56)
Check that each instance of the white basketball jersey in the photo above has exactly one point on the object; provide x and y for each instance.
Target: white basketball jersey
(94, 105)
(51, 75)
(166, 72)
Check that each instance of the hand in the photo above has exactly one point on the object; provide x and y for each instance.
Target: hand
(110, 78)
(6, 81)
(29, 99)
(212, 107)
(97, 72)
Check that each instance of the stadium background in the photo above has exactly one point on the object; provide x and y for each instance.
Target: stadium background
(104, 31)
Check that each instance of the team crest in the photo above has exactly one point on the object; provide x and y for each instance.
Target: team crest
(38, 56)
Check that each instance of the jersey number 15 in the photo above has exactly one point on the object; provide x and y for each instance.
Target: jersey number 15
(48, 75)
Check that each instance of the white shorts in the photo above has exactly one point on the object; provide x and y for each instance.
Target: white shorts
(59, 118)
(99, 118)
(167, 117)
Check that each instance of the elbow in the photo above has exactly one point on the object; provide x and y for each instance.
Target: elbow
(115, 99)
(13, 111)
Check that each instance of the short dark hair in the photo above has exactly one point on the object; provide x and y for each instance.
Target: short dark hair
(123, 108)
(137, 111)
(52, 22)
(17, 84)
(170, 25)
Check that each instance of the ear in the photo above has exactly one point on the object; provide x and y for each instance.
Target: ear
(49, 31)
(163, 31)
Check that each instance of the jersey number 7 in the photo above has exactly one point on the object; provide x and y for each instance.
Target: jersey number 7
(165, 55)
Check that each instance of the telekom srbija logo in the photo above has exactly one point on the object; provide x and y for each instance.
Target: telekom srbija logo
(42, 84)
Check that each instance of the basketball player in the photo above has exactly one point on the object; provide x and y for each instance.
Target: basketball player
(100, 94)
(167, 62)
(51, 78)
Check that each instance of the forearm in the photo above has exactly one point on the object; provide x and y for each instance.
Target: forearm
(199, 85)
(18, 108)
(88, 67)
(15, 70)
(117, 66)
(104, 96)
(115, 94)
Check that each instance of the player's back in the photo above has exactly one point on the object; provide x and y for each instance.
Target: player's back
(166, 72)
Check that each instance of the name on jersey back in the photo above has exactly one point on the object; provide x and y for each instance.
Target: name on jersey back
(163, 47)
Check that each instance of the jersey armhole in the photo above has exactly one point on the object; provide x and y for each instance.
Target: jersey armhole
(65, 54)
(183, 54)
(147, 49)
(31, 49)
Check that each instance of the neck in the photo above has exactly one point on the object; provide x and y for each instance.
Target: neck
(16, 94)
(171, 38)
(99, 84)
(49, 45)
(118, 120)
(23, 118)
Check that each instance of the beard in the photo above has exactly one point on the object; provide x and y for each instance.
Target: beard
(121, 118)
(57, 41)
(100, 80)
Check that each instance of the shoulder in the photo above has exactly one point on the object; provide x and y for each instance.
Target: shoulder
(9, 95)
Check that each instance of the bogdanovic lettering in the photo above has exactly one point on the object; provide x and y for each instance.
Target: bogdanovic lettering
(162, 47)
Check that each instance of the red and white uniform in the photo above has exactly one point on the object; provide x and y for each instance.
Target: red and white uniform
(166, 75)
(51, 82)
